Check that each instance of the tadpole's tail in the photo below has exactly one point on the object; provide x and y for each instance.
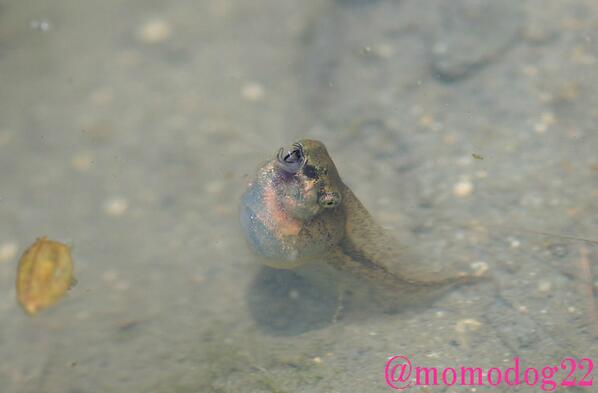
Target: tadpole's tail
(415, 292)
(393, 285)
(367, 250)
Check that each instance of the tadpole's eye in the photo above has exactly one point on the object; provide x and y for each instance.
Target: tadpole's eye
(291, 160)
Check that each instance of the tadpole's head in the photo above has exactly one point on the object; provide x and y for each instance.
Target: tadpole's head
(308, 181)
(291, 212)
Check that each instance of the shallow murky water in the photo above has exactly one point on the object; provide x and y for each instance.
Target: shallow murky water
(129, 131)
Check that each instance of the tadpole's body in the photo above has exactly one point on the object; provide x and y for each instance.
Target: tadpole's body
(298, 214)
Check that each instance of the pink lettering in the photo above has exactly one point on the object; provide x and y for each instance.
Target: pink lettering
(548, 384)
(453, 378)
(496, 381)
(426, 380)
(471, 373)
(529, 371)
(512, 374)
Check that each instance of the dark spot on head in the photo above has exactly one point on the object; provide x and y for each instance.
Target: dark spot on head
(310, 171)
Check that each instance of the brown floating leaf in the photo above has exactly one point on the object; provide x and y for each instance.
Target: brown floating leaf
(45, 274)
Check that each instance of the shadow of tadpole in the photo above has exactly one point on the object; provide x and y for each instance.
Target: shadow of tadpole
(288, 303)
(284, 303)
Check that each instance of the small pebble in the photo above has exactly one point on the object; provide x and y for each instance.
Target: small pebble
(8, 251)
(128, 58)
(450, 139)
(198, 278)
(384, 51)
(463, 188)
(571, 309)
(530, 71)
(109, 275)
(544, 286)
(43, 25)
(548, 118)
(82, 161)
(154, 31)
(252, 91)
(479, 268)
(540, 128)
(116, 206)
(83, 315)
(294, 294)
(427, 121)
(317, 360)
(102, 96)
(5, 137)
(122, 285)
(467, 325)
(481, 174)
(224, 210)
(214, 187)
